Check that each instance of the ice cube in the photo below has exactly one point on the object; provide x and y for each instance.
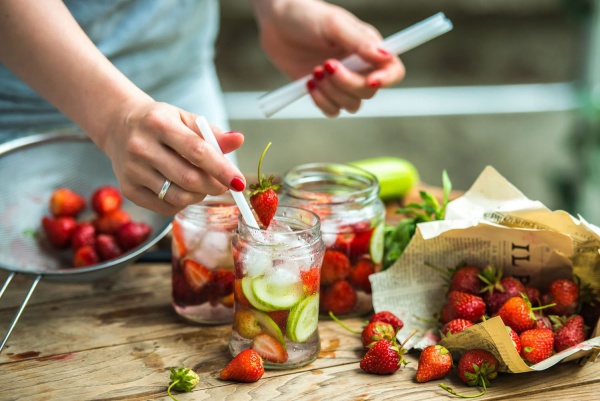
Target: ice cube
(283, 276)
(193, 233)
(256, 263)
(214, 250)
(329, 230)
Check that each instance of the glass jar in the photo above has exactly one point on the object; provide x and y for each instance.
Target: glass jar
(346, 199)
(202, 261)
(277, 289)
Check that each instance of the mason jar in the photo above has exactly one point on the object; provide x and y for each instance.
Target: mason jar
(202, 260)
(346, 199)
(277, 289)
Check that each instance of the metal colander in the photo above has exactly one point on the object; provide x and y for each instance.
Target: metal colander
(30, 170)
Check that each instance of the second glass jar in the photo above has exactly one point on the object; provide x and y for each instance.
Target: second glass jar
(346, 199)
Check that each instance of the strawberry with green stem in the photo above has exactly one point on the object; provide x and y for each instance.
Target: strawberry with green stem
(476, 367)
(263, 197)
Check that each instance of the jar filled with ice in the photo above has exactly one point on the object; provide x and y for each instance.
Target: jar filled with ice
(346, 199)
(277, 289)
(202, 260)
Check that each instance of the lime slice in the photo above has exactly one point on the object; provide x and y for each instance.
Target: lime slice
(303, 319)
(276, 297)
(376, 244)
(269, 326)
(249, 294)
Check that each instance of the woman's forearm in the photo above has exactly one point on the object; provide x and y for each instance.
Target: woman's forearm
(44, 46)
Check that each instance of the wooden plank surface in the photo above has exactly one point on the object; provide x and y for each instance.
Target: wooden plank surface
(116, 341)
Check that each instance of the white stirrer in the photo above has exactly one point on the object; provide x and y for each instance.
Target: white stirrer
(238, 197)
(398, 43)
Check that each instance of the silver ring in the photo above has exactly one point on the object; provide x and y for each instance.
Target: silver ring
(164, 189)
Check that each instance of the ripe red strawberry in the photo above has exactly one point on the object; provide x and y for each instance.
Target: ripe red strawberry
(517, 313)
(280, 317)
(533, 294)
(515, 338)
(568, 331)
(263, 197)
(109, 223)
(132, 234)
(336, 266)
(83, 234)
(246, 367)
(565, 294)
(476, 367)
(106, 199)
(65, 202)
(269, 348)
(435, 362)
(383, 357)
(360, 243)
(466, 279)
(107, 247)
(460, 305)
(59, 230)
(197, 275)
(455, 326)
(338, 298)
(376, 331)
(388, 317)
(498, 289)
(85, 256)
(238, 293)
(359, 274)
(310, 280)
(223, 280)
(536, 345)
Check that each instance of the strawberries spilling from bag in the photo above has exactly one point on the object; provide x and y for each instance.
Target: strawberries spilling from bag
(106, 236)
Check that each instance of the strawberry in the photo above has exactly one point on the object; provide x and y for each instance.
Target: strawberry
(223, 280)
(435, 362)
(280, 317)
(533, 294)
(238, 293)
(246, 367)
(542, 322)
(110, 222)
(466, 279)
(263, 197)
(536, 345)
(83, 234)
(106, 199)
(498, 289)
(383, 357)
(59, 230)
(360, 243)
(388, 317)
(269, 348)
(565, 294)
(107, 247)
(338, 298)
(85, 256)
(246, 324)
(197, 275)
(568, 331)
(310, 280)
(359, 275)
(477, 367)
(455, 326)
(376, 331)
(132, 234)
(515, 338)
(336, 266)
(65, 202)
(461, 305)
(517, 313)
(179, 248)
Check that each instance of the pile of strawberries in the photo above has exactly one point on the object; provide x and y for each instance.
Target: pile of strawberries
(107, 235)
(539, 323)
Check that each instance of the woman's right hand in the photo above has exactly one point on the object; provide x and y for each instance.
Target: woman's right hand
(151, 142)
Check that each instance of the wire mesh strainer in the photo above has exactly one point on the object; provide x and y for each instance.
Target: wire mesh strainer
(30, 169)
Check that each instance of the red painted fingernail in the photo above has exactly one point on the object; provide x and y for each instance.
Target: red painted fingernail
(375, 83)
(311, 84)
(233, 132)
(384, 52)
(329, 67)
(318, 73)
(237, 184)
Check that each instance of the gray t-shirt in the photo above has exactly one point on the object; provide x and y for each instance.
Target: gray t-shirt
(166, 47)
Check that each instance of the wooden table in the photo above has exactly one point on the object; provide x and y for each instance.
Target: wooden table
(116, 339)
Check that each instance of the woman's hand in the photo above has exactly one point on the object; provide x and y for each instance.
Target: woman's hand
(155, 142)
(310, 37)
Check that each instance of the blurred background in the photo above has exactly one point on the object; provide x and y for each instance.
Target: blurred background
(510, 86)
